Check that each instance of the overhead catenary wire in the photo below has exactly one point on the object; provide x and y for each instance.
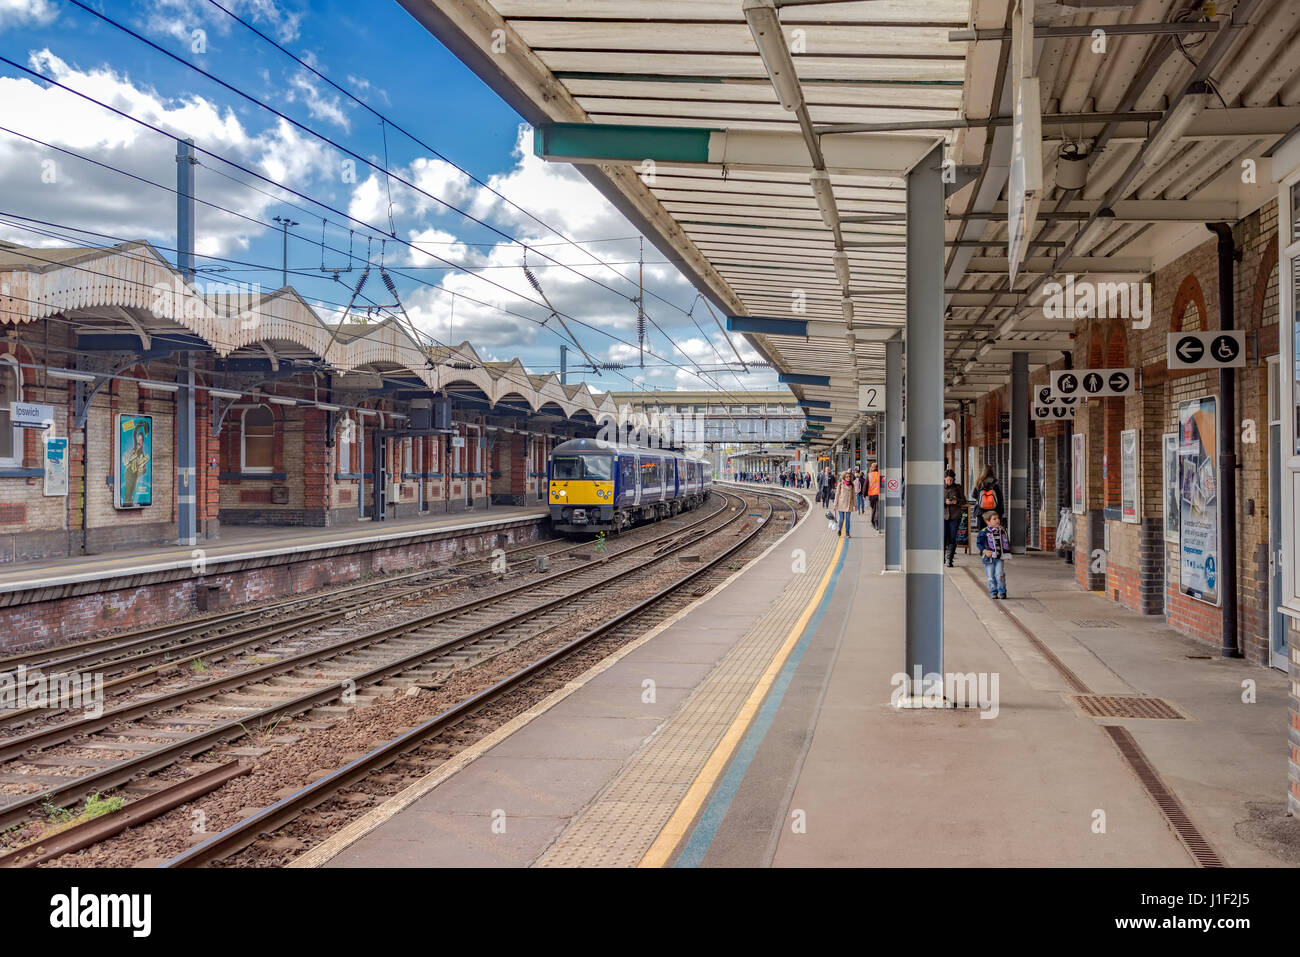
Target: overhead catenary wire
(145, 124)
(423, 145)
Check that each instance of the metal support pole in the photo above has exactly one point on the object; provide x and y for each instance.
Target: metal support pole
(923, 521)
(186, 477)
(1228, 430)
(1017, 526)
(564, 364)
(185, 208)
(893, 471)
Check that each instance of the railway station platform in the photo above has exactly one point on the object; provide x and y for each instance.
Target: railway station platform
(63, 598)
(756, 728)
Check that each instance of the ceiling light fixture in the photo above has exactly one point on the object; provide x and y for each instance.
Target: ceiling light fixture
(821, 187)
(1096, 230)
(842, 268)
(765, 25)
(1193, 101)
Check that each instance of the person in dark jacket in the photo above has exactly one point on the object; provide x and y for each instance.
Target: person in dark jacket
(994, 545)
(826, 486)
(952, 509)
(986, 495)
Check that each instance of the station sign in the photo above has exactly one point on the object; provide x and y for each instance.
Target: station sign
(28, 415)
(871, 397)
(1093, 383)
(1216, 349)
(1048, 406)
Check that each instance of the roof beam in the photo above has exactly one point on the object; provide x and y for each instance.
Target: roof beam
(614, 144)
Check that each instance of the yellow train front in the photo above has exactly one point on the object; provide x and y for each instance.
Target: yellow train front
(598, 486)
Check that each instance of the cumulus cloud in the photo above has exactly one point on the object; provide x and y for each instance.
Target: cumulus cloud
(43, 183)
(26, 13)
(180, 19)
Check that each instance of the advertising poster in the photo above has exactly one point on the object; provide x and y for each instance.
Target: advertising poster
(133, 458)
(1128, 476)
(1078, 501)
(1170, 477)
(1198, 499)
(56, 466)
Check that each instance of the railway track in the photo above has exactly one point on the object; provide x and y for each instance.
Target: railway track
(148, 655)
(421, 742)
(160, 730)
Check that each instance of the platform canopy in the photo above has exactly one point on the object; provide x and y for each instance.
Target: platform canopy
(761, 144)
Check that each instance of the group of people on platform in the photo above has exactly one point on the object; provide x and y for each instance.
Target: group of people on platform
(854, 490)
(786, 478)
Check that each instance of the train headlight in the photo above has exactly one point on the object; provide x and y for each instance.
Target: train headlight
(561, 493)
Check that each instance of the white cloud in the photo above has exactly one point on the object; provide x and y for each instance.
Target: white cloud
(180, 18)
(26, 13)
(43, 183)
(322, 106)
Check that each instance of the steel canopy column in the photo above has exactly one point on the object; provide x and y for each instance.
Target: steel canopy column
(923, 519)
(186, 475)
(1017, 527)
(893, 470)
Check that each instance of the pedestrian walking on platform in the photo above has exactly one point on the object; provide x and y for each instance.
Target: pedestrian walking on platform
(873, 495)
(952, 509)
(844, 503)
(994, 545)
(860, 490)
(986, 496)
(826, 486)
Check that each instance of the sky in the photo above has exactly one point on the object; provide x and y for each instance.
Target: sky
(357, 186)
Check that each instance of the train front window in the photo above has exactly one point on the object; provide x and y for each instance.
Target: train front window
(570, 467)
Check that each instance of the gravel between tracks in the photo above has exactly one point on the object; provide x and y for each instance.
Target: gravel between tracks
(302, 750)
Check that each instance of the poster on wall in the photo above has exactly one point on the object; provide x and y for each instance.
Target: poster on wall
(1128, 477)
(1078, 501)
(56, 466)
(1198, 499)
(133, 458)
(1170, 477)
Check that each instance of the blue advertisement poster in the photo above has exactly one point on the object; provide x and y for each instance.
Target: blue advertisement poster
(133, 455)
(1198, 496)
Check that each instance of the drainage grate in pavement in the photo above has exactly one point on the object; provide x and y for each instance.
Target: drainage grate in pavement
(1202, 852)
(1127, 706)
(1094, 623)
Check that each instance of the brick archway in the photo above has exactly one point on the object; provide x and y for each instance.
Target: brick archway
(1262, 278)
(1189, 290)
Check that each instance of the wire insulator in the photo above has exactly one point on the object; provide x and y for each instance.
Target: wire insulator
(532, 280)
(388, 282)
(361, 281)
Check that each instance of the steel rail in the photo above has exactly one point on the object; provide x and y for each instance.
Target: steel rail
(222, 733)
(240, 835)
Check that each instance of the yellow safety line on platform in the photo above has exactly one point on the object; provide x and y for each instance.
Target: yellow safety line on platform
(673, 832)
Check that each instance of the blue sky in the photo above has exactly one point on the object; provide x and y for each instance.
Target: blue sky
(378, 53)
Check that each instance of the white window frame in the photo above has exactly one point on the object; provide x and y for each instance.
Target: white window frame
(244, 467)
(15, 460)
(408, 456)
(1288, 254)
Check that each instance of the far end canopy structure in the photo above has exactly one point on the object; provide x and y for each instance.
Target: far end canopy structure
(796, 218)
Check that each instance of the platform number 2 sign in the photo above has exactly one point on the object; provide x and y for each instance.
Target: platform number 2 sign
(871, 397)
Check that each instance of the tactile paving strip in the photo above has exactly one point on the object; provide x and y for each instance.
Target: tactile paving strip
(621, 824)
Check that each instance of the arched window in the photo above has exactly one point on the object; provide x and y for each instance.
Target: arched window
(11, 390)
(258, 437)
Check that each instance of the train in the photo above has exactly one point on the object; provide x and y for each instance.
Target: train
(597, 486)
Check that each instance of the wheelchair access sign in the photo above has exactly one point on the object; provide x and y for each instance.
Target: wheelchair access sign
(1216, 349)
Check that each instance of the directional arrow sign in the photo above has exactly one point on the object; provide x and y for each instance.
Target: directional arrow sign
(1070, 384)
(1216, 349)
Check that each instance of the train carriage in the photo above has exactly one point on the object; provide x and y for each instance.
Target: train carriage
(598, 486)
